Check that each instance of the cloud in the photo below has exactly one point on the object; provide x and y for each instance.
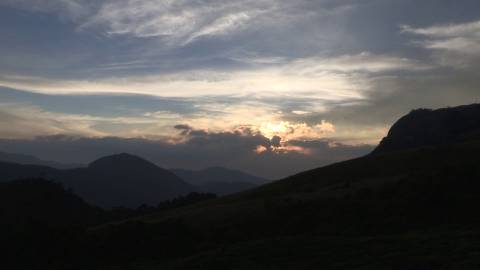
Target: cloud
(178, 22)
(68, 9)
(471, 29)
(200, 149)
(363, 62)
(189, 140)
(276, 141)
(329, 78)
(29, 121)
(149, 117)
(456, 45)
(287, 131)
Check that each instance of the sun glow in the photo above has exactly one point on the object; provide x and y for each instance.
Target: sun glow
(296, 131)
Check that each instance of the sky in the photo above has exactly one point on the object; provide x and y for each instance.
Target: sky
(271, 87)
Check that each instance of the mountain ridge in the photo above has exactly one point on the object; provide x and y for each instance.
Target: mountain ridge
(220, 180)
(32, 160)
(111, 181)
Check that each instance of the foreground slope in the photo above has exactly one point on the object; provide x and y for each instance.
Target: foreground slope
(408, 208)
(404, 177)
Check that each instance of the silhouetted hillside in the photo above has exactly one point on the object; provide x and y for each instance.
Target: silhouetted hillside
(31, 202)
(118, 180)
(219, 180)
(424, 127)
(14, 171)
(400, 210)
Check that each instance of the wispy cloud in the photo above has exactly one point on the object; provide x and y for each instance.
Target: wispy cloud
(455, 44)
(178, 22)
(67, 9)
(471, 29)
(334, 78)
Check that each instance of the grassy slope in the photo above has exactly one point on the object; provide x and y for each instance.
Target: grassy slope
(339, 180)
(414, 209)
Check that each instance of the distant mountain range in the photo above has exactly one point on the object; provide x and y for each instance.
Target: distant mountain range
(219, 180)
(126, 180)
(117, 180)
(31, 160)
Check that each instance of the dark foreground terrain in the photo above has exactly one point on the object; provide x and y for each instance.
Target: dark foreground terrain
(413, 204)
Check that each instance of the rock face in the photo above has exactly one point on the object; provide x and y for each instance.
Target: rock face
(424, 127)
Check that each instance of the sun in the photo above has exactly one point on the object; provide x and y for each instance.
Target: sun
(269, 129)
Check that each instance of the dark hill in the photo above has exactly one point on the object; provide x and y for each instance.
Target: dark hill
(424, 127)
(118, 180)
(31, 202)
(122, 162)
(219, 180)
(124, 180)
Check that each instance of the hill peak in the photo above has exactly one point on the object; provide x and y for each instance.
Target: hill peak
(426, 127)
(122, 160)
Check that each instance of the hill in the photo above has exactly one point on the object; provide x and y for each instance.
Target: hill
(424, 127)
(34, 201)
(118, 180)
(219, 180)
(124, 180)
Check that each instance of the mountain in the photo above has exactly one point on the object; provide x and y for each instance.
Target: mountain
(117, 180)
(219, 180)
(124, 180)
(424, 127)
(31, 160)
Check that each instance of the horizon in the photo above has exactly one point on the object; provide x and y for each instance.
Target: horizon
(268, 87)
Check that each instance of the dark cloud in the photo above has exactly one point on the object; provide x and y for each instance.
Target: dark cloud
(185, 129)
(276, 141)
(201, 149)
